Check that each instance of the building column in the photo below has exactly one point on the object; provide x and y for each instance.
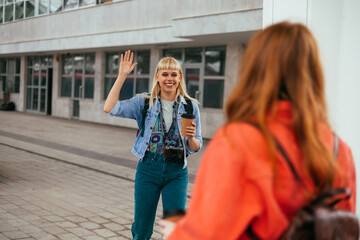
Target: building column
(22, 90)
(155, 54)
(99, 76)
(234, 52)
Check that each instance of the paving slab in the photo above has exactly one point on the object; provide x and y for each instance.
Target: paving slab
(66, 179)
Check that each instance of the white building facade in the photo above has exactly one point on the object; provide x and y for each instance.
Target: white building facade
(61, 57)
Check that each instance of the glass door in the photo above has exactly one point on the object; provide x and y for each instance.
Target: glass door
(37, 92)
(78, 91)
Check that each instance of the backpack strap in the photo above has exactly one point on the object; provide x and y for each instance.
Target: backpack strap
(188, 106)
(333, 192)
(144, 112)
(286, 157)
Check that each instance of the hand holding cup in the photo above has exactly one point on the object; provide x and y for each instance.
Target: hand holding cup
(188, 126)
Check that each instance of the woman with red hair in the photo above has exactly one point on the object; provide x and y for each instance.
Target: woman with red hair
(243, 182)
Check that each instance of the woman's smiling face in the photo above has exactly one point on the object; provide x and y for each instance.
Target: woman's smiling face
(168, 80)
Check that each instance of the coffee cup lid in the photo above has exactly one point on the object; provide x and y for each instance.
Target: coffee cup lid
(188, 116)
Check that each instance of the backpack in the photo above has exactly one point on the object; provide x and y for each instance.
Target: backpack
(188, 108)
(319, 220)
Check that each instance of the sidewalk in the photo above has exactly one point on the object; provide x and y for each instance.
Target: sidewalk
(64, 179)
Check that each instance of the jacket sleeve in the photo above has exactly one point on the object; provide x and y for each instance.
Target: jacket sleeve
(130, 108)
(346, 177)
(222, 203)
(198, 130)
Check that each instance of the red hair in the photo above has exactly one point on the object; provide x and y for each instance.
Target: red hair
(284, 60)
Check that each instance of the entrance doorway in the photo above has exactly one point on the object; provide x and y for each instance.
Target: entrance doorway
(39, 84)
(78, 91)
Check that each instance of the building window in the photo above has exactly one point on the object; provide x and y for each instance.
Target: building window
(11, 10)
(29, 8)
(138, 79)
(77, 76)
(204, 72)
(10, 74)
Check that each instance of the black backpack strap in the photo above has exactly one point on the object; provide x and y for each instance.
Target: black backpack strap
(144, 112)
(188, 106)
(283, 153)
(286, 157)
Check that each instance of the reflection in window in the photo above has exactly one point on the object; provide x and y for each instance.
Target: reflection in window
(127, 90)
(208, 87)
(213, 93)
(43, 77)
(1, 13)
(89, 87)
(175, 53)
(70, 4)
(215, 61)
(193, 55)
(9, 12)
(17, 84)
(19, 10)
(137, 81)
(78, 71)
(35, 98)
(17, 65)
(109, 82)
(36, 78)
(29, 76)
(78, 83)
(90, 64)
(44, 61)
(192, 79)
(142, 85)
(3, 66)
(85, 3)
(66, 86)
(28, 98)
(42, 100)
(112, 63)
(67, 64)
(29, 8)
(55, 6)
(79, 61)
(43, 6)
(3, 79)
(36, 82)
(143, 60)
(10, 74)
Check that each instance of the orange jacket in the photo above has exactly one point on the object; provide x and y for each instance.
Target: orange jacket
(235, 183)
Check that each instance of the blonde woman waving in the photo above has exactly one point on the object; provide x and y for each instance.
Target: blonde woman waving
(161, 147)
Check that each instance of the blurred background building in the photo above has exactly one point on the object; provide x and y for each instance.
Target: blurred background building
(61, 57)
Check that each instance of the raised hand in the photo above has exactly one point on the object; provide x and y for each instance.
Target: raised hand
(126, 66)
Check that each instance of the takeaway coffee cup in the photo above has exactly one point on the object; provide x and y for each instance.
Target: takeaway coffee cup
(186, 121)
(173, 215)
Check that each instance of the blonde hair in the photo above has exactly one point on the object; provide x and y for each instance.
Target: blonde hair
(165, 64)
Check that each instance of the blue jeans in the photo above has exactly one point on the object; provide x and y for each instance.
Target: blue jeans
(154, 175)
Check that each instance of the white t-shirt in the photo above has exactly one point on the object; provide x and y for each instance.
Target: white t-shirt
(167, 109)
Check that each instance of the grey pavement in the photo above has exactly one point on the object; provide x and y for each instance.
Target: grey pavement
(67, 179)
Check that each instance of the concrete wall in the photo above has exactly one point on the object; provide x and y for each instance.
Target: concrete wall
(132, 24)
(335, 24)
(127, 23)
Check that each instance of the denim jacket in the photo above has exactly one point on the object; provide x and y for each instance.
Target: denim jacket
(132, 108)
